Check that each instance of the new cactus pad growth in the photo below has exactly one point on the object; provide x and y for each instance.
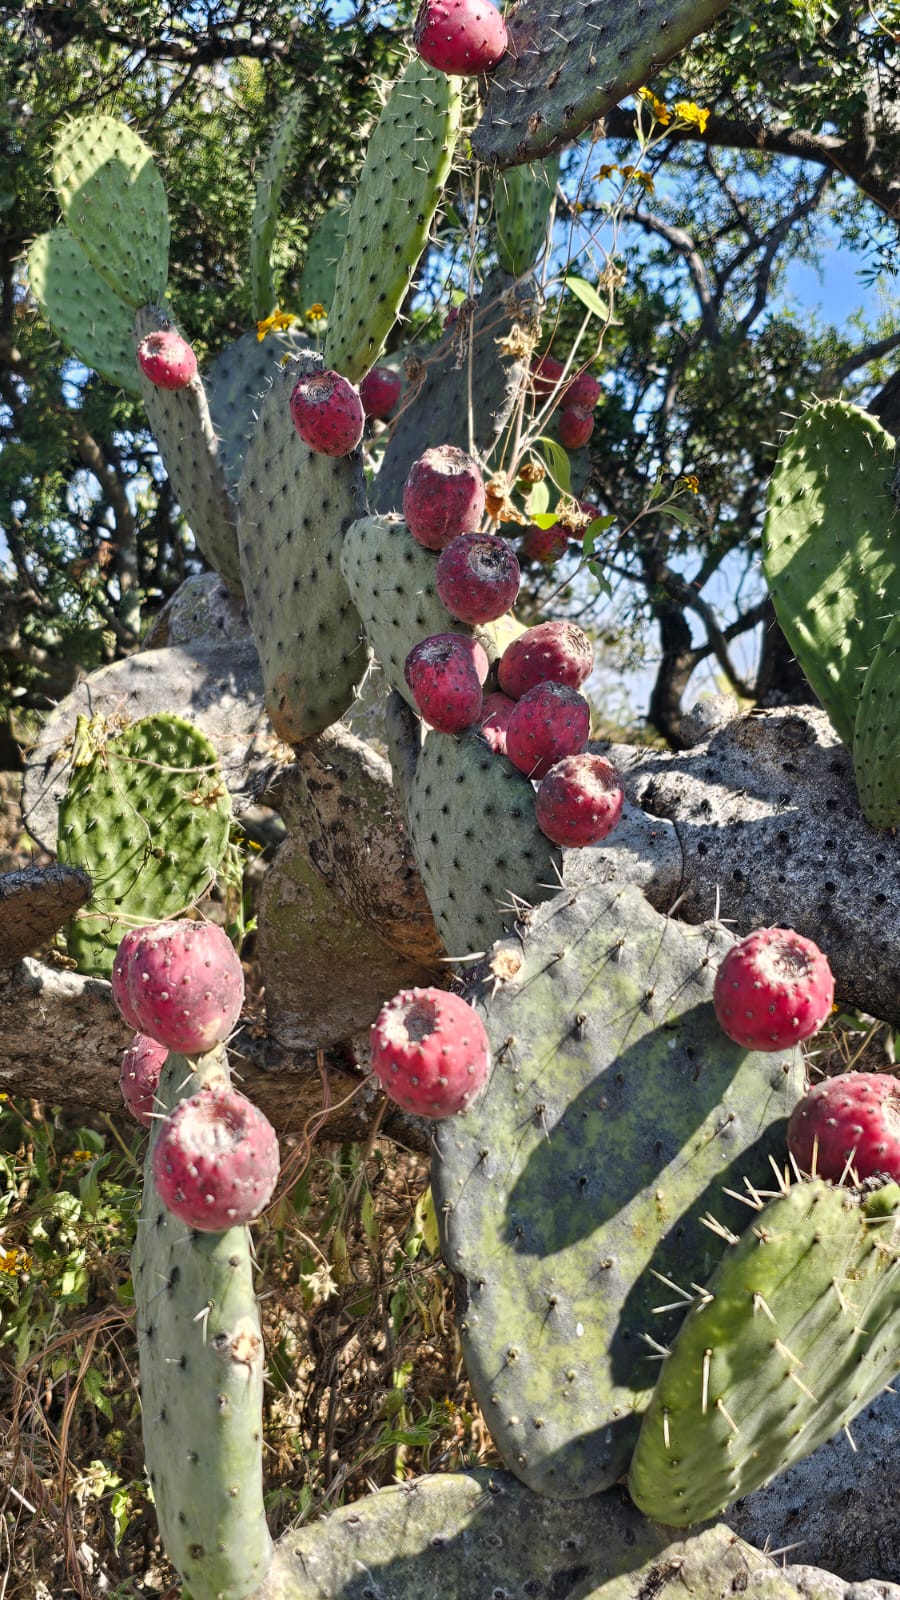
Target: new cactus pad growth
(328, 413)
(443, 496)
(773, 989)
(477, 577)
(580, 800)
(167, 359)
(215, 1161)
(445, 674)
(549, 721)
(848, 1124)
(461, 37)
(185, 985)
(430, 1052)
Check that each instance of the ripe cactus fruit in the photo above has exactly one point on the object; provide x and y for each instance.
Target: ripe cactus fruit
(853, 1119)
(443, 496)
(430, 1052)
(139, 1076)
(119, 977)
(551, 652)
(546, 372)
(445, 674)
(460, 37)
(580, 800)
(773, 989)
(167, 359)
(216, 1161)
(575, 428)
(495, 714)
(185, 985)
(582, 393)
(545, 544)
(549, 722)
(379, 392)
(477, 577)
(328, 413)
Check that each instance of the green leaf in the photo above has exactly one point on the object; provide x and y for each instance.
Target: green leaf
(603, 583)
(557, 463)
(593, 531)
(545, 519)
(95, 1388)
(682, 516)
(587, 294)
(538, 500)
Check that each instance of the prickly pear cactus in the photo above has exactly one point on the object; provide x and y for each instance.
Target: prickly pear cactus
(323, 253)
(876, 736)
(523, 197)
(294, 507)
(615, 1113)
(796, 1331)
(91, 322)
(831, 550)
(408, 159)
(147, 816)
(201, 1361)
(269, 184)
(236, 384)
(113, 202)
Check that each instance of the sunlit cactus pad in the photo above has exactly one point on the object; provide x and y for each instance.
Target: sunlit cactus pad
(615, 1113)
(876, 737)
(798, 1329)
(92, 323)
(113, 201)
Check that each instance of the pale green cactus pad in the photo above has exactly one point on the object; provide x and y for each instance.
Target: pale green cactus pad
(147, 816)
(522, 200)
(269, 184)
(323, 253)
(797, 1330)
(236, 384)
(92, 322)
(113, 201)
(201, 1362)
(876, 736)
(615, 1112)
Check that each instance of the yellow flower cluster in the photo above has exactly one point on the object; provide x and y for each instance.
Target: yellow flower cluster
(631, 174)
(278, 320)
(691, 482)
(687, 111)
(683, 110)
(12, 1262)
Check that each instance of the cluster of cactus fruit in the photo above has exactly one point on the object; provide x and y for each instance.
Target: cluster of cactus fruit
(612, 1086)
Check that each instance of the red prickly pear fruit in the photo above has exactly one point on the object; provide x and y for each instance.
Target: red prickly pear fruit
(546, 372)
(582, 393)
(142, 1064)
(849, 1121)
(545, 544)
(460, 37)
(186, 985)
(552, 652)
(477, 577)
(379, 392)
(549, 722)
(328, 414)
(443, 496)
(495, 714)
(167, 359)
(445, 674)
(575, 428)
(579, 801)
(430, 1052)
(216, 1162)
(451, 317)
(121, 971)
(773, 989)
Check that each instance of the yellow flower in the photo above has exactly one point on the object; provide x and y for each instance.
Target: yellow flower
(689, 112)
(606, 171)
(658, 107)
(278, 320)
(691, 482)
(316, 313)
(12, 1262)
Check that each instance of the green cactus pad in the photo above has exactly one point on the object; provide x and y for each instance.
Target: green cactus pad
(408, 159)
(876, 737)
(201, 1363)
(798, 1329)
(615, 1110)
(92, 322)
(181, 423)
(269, 184)
(294, 507)
(831, 550)
(147, 816)
(567, 65)
(112, 198)
(482, 856)
(323, 253)
(236, 384)
(522, 200)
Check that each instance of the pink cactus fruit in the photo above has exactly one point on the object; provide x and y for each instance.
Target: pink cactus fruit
(328, 414)
(551, 652)
(379, 392)
(580, 800)
(574, 429)
(430, 1052)
(495, 714)
(545, 545)
(445, 674)
(546, 372)
(121, 971)
(549, 722)
(451, 317)
(855, 1119)
(477, 577)
(216, 1162)
(186, 985)
(142, 1064)
(773, 989)
(582, 393)
(443, 496)
(460, 37)
(167, 359)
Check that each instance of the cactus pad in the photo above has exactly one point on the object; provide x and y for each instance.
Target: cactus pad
(798, 1329)
(876, 737)
(615, 1110)
(269, 183)
(113, 200)
(831, 550)
(92, 322)
(236, 384)
(323, 252)
(147, 816)
(408, 158)
(523, 197)
(201, 1362)
(294, 507)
